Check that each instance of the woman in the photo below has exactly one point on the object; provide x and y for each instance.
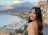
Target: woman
(35, 22)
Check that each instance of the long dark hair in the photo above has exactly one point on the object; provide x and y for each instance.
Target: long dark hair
(39, 19)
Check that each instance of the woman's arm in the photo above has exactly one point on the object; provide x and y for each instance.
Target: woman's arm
(30, 29)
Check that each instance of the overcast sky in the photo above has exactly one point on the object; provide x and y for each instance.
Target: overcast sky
(2, 2)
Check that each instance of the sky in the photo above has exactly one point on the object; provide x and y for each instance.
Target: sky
(2, 2)
(7, 4)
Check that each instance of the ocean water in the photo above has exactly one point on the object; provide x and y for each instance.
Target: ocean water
(8, 19)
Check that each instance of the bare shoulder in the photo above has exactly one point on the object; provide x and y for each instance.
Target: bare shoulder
(32, 29)
(33, 24)
(30, 25)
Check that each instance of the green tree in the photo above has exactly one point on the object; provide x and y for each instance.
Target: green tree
(18, 31)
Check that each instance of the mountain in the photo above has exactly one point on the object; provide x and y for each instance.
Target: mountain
(19, 8)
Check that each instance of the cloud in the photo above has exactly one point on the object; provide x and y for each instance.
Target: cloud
(16, 2)
(10, 5)
(2, 2)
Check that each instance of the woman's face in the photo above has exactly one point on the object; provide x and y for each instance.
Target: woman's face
(32, 14)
